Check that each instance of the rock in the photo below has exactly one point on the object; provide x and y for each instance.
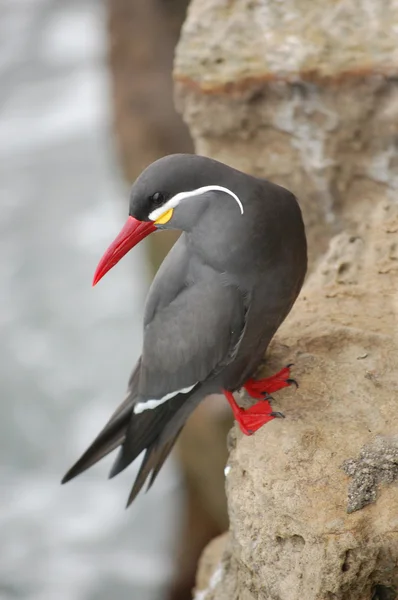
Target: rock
(205, 469)
(303, 93)
(202, 453)
(142, 37)
(293, 486)
(208, 576)
(377, 463)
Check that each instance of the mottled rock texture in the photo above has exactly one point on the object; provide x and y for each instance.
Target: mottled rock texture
(377, 463)
(313, 498)
(303, 93)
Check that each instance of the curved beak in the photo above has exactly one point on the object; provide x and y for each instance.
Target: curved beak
(133, 233)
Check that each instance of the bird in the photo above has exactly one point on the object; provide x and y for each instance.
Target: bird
(212, 309)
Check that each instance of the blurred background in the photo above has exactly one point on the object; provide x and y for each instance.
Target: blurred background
(86, 103)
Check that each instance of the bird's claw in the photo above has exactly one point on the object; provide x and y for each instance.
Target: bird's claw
(278, 415)
(263, 388)
(292, 381)
(257, 420)
(251, 419)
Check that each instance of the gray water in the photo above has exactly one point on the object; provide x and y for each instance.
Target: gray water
(66, 349)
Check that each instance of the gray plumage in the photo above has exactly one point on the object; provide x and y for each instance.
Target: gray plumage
(216, 302)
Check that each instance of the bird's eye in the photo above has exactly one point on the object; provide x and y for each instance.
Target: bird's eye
(157, 199)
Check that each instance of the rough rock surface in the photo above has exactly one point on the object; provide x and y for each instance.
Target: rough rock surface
(303, 93)
(377, 463)
(306, 94)
(292, 535)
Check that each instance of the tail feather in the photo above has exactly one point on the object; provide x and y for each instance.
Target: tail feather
(111, 436)
(154, 430)
(144, 429)
(163, 454)
(154, 459)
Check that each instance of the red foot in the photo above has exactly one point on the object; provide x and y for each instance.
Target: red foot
(261, 388)
(254, 417)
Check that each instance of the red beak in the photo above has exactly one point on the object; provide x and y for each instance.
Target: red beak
(133, 232)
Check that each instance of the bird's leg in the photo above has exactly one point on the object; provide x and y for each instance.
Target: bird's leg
(262, 388)
(252, 418)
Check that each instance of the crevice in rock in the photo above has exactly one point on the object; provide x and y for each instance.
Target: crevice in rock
(294, 542)
(347, 561)
(382, 592)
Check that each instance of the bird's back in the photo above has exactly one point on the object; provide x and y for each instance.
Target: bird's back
(272, 268)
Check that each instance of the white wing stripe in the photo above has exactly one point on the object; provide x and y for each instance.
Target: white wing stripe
(149, 404)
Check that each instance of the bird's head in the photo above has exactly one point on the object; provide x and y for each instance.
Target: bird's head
(172, 193)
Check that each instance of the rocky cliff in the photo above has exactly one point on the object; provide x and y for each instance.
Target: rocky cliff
(306, 94)
(301, 92)
(313, 499)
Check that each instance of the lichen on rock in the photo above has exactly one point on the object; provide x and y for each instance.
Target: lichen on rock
(377, 463)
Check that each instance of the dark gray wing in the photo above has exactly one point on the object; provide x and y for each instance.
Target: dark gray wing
(185, 344)
(193, 320)
(169, 280)
(190, 338)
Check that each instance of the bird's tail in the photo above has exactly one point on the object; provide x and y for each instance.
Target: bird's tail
(154, 430)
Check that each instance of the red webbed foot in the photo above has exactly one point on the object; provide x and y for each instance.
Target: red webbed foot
(262, 388)
(251, 419)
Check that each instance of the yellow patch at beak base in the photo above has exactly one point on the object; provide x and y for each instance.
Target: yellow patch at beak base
(165, 217)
